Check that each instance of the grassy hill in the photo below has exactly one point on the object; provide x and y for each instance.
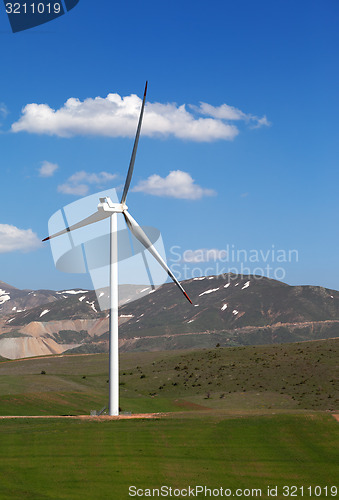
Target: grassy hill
(287, 376)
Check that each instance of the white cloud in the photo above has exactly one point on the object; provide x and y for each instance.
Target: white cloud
(116, 116)
(12, 238)
(76, 189)
(261, 122)
(170, 119)
(79, 183)
(3, 110)
(223, 112)
(47, 169)
(177, 184)
(226, 112)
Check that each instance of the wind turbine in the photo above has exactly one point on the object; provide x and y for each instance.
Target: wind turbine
(106, 208)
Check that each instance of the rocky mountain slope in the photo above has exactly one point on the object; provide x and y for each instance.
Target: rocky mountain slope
(14, 300)
(227, 310)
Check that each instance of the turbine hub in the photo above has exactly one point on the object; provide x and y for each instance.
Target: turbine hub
(106, 205)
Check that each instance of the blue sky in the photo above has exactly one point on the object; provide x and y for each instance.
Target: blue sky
(255, 166)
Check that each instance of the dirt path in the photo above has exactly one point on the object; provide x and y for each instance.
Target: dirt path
(89, 417)
(198, 410)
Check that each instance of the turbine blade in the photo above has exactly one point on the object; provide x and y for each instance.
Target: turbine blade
(134, 152)
(138, 232)
(96, 217)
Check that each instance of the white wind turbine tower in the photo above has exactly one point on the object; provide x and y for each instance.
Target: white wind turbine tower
(106, 208)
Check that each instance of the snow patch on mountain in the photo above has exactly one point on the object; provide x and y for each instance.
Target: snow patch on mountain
(92, 305)
(4, 296)
(209, 291)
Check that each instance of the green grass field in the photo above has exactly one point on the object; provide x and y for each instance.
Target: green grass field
(238, 418)
(59, 459)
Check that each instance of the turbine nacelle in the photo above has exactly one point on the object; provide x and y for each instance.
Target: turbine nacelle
(107, 205)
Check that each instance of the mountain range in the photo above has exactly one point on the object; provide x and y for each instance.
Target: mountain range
(227, 310)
